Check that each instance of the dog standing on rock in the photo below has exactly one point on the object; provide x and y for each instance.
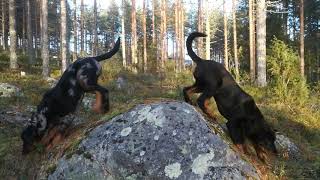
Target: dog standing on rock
(79, 78)
(244, 118)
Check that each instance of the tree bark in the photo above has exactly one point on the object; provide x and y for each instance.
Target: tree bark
(176, 28)
(29, 34)
(44, 38)
(75, 30)
(134, 37)
(251, 43)
(225, 21)
(163, 37)
(123, 38)
(13, 35)
(182, 46)
(153, 23)
(95, 32)
(200, 27)
(63, 27)
(144, 37)
(82, 28)
(302, 38)
(208, 31)
(235, 46)
(4, 25)
(261, 43)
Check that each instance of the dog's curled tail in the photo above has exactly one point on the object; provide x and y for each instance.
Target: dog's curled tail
(110, 53)
(190, 39)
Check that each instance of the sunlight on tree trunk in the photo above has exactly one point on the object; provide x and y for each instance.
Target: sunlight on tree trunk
(235, 45)
(82, 28)
(13, 35)
(200, 27)
(261, 43)
(44, 39)
(208, 30)
(144, 37)
(4, 25)
(64, 62)
(123, 38)
(75, 30)
(302, 37)
(95, 30)
(134, 38)
(29, 34)
(251, 43)
(225, 21)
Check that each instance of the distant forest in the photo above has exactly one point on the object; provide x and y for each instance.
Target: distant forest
(241, 34)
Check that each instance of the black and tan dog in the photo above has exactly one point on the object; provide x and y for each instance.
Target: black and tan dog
(244, 118)
(80, 77)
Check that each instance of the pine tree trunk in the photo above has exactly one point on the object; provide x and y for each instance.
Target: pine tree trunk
(13, 35)
(200, 27)
(64, 62)
(4, 25)
(153, 23)
(123, 38)
(75, 30)
(226, 62)
(134, 37)
(176, 28)
(82, 28)
(235, 46)
(182, 41)
(251, 43)
(23, 35)
(302, 37)
(95, 31)
(144, 37)
(163, 37)
(261, 43)
(29, 33)
(44, 38)
(208, 31)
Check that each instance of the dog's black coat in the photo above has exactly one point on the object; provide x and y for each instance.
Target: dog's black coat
(80, 77)
(238, 107)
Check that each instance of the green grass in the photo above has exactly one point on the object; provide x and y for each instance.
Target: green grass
(299, 122)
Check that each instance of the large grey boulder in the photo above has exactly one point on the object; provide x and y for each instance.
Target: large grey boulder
(167, 140)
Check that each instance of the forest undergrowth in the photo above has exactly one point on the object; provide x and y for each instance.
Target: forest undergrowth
(296, 114)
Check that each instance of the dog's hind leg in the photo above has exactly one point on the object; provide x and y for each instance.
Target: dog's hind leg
(203, 103)
(188, 91)
(236, 134)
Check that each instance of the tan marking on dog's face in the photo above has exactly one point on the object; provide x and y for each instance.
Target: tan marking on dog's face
(97, 106)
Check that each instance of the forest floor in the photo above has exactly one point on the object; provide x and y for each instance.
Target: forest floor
(300, 123)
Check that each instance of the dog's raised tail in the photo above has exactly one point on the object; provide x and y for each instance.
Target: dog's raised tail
(109, 54)
(190, 39)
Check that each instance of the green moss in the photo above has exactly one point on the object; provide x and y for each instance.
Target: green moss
(51, 168)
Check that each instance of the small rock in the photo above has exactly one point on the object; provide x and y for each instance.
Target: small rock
(8, 90)
(285, 145)
(51, 81)
(88, 101)
(121, 83)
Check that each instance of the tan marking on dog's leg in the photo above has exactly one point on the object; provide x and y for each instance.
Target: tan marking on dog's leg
(261, 153)
(189, 94)
(55, 140)
(207, 110)
(242, 148)
(97, 106)
(48, 137)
